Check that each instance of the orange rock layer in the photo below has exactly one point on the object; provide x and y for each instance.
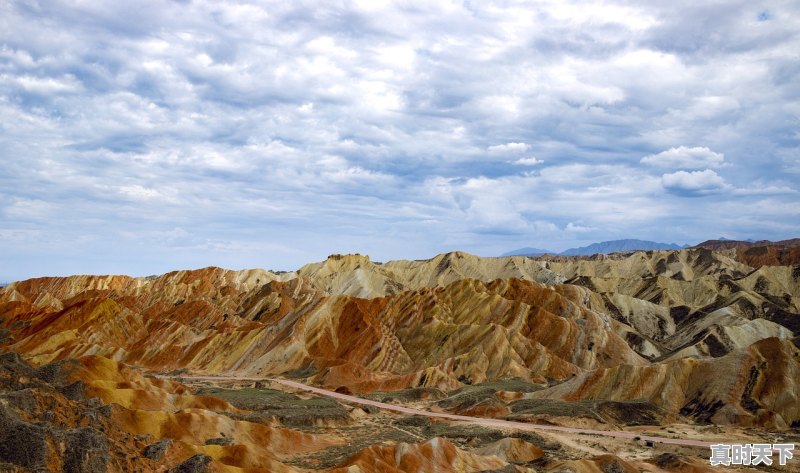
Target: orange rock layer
(468, 331)
(624, 325)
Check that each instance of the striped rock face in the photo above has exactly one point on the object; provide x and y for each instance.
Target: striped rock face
(691, 335)
(455, 319)
(467, 330)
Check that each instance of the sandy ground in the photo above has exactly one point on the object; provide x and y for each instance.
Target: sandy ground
(494, 423)
(576, 438)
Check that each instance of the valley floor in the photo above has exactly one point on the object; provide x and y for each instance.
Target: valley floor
(565, 443)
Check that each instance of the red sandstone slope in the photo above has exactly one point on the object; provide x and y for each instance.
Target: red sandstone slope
(658, 305)
(467, 331)
(769, 255)
(728, 244)
(759, 253)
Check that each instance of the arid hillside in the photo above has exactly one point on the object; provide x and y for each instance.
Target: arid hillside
(759, 253)
(691, 336)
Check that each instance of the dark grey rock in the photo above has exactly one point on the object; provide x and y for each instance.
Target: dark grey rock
(156, 450)
(87, 451)
(74, 391)
(23, 400)
(196, 464)
(24, 444)
(219, 441)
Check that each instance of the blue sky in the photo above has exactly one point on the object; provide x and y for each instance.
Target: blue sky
(142, 137)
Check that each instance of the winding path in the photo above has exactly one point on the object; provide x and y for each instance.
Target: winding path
(497, 423)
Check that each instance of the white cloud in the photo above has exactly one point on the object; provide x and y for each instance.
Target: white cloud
(142, 193)
(694, 182)
(578, 228)
(706, 107)
(685, 158)
(43, 85)
(251, 124)
(30, 209)
(532, 161)
(764, 189)
(509, 148)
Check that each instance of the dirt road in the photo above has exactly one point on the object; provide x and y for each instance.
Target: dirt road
(496, 423)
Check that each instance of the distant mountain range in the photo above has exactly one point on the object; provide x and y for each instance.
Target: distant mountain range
(724, 243)
(604, 247)
(614, 246)
(528, 251)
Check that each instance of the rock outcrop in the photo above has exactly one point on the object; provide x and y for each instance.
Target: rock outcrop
(696, 335)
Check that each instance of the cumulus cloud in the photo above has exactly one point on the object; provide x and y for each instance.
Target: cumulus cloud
(694, 182)
(685, 157)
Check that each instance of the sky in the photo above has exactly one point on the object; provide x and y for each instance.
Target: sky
(143, 137)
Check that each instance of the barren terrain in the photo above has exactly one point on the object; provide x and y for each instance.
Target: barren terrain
(633, 362)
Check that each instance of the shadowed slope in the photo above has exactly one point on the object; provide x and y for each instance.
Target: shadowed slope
(50, 423)
(757, 385)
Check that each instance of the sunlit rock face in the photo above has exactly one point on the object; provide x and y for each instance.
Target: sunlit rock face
(220, 321)
(695, 334)
(395, 323)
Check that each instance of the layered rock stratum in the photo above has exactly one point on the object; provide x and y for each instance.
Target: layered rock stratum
(694, 336)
